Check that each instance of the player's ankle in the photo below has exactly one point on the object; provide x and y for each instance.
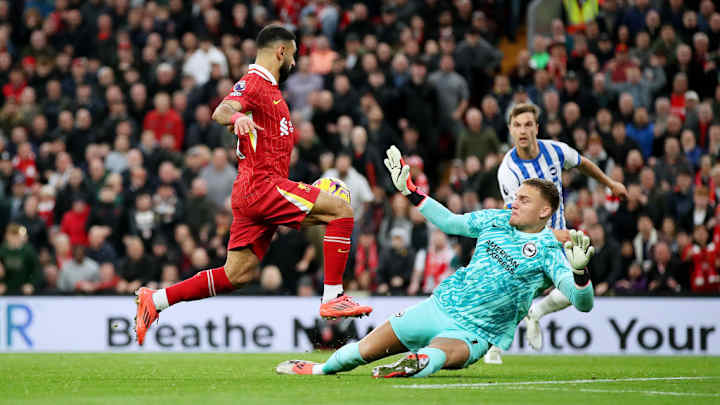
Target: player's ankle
(160, 300)
(318, 369)
(331, 291)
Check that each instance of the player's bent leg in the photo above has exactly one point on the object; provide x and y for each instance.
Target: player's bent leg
(238, 271)
(555, 301)
(240, 266)
(381, 342)
(338, 216)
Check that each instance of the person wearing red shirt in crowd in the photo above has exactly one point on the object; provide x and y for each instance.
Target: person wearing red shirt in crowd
(704, 277)
(367, 260)
(24, 162)
(432, 265)
(15, 86)
(164, 120)
(617, 66)
(262, 196)
(416, 170)
(74, 222)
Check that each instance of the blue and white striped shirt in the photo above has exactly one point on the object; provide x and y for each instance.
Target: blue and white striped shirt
(553, 158)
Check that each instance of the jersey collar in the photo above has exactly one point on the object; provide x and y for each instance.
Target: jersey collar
(262, 72)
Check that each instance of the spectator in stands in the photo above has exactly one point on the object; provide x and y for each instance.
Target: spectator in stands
(136, 269)
(432, 265)
(605, 267)
(702, 255)
(396, 264)
(219, 176)
(476, 139)
(634, 283)
(79, 274)
(453, 94)
(20, 271)
(664, 271)
(356, 182)
(164, 120)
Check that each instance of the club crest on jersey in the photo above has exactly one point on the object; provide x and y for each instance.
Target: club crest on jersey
(303, 187)
(553, 170)
(529, 250)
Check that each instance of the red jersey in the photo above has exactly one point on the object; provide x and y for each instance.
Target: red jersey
(264, 153)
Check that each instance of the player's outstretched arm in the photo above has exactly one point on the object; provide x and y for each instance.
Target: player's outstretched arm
(589, 168)
(432, 210)
(578, 252)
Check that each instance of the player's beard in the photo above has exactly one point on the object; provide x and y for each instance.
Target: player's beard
(284, 72)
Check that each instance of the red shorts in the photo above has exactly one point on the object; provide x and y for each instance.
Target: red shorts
(258, 213)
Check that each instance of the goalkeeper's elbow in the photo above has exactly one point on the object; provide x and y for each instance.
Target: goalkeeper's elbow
(584, 304)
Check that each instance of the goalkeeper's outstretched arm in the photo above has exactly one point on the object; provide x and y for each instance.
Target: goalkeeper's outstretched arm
(432, 210)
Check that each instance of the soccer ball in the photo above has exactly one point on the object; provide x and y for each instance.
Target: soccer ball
(334, 186)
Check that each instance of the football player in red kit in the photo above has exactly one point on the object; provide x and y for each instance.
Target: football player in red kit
(262, 197)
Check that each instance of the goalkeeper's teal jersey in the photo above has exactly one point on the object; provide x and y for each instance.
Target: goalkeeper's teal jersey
(493, 293)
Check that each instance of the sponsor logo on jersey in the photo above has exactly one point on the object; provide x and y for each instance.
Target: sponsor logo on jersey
(277, 101)
(303, 187)
(501, 256)
(529, 249)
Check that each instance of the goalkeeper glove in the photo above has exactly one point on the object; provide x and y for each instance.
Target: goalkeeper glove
(578, 251)
(400, 174)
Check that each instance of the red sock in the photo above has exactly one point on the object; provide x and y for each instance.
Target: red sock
(336, 248)
(204, 284)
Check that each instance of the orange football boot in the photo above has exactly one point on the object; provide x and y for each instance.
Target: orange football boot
(343, 307)
(146, 312)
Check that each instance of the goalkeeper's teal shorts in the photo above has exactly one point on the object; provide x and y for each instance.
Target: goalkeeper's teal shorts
(423, 322)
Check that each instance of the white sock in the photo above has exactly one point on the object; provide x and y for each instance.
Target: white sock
(330, 292)
(318, 369)
(160, 299)
(555, 301)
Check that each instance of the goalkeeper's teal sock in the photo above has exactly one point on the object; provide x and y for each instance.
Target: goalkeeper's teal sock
(344, 359)
(437, 361)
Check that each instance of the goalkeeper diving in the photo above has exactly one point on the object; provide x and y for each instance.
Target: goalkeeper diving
(480, 305)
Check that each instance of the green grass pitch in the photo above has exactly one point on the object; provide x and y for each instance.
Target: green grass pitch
(250, 379)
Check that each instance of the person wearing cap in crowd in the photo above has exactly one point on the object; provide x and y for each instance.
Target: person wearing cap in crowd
(603, 48)
(573, 92)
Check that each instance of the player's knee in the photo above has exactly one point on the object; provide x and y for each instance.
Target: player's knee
(344, 210)
(240, 274)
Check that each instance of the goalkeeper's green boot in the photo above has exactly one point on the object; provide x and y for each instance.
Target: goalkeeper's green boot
(408, 366)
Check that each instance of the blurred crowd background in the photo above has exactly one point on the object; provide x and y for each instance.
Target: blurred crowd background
(113, 175)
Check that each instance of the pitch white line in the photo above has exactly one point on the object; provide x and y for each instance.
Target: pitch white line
(599, 380)
(668, 393)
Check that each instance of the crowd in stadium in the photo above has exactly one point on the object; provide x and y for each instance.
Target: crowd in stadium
(113, 174)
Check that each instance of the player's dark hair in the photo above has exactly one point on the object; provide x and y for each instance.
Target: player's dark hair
(518, 109)
(273, 33)
(548, 191)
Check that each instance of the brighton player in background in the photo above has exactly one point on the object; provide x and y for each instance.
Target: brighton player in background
(543, 159)
(262, 196)
(478, 305)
